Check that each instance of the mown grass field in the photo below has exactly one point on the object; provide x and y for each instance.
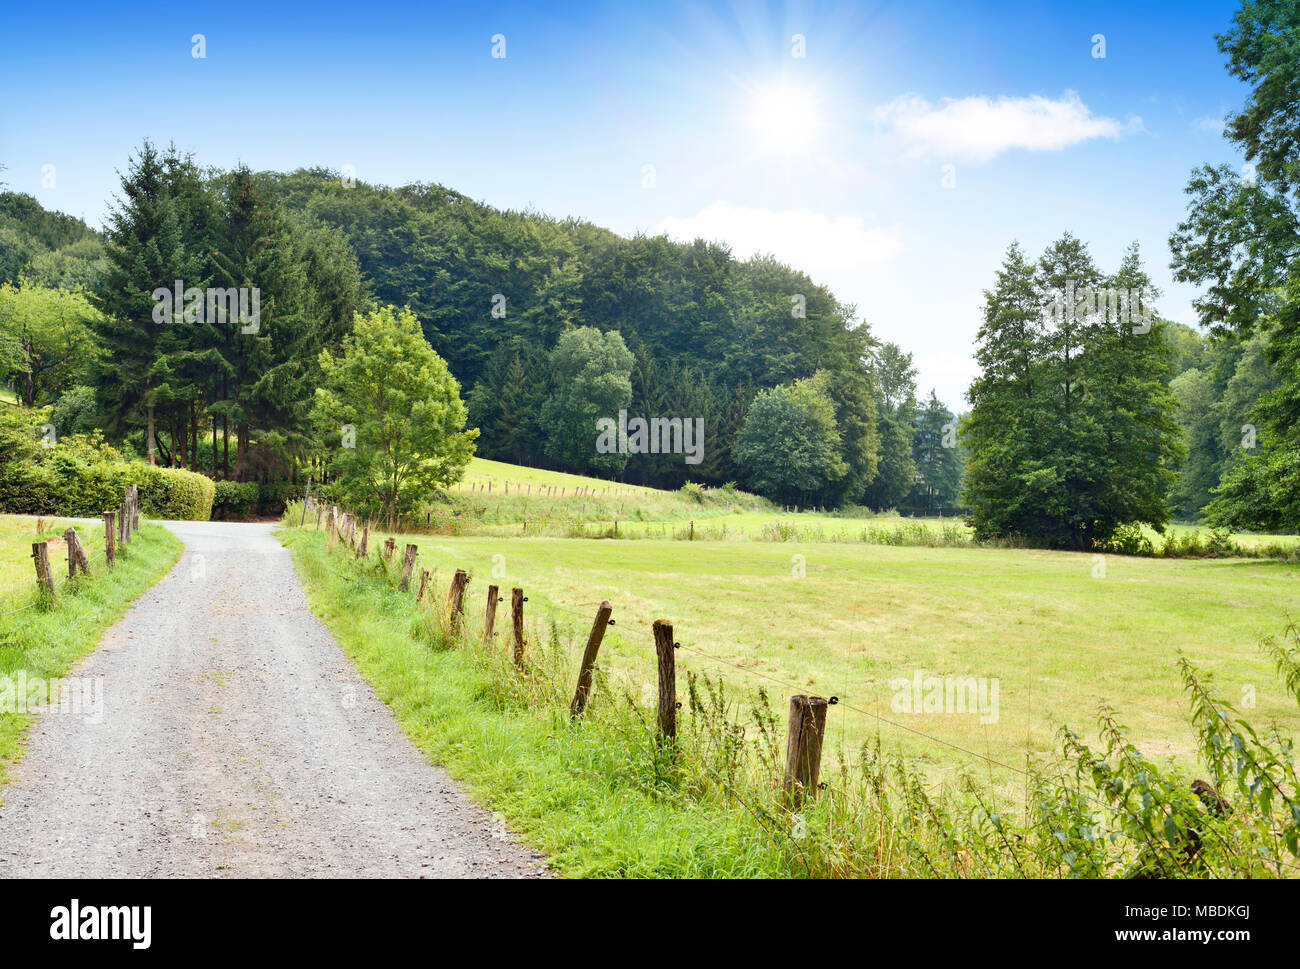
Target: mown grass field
(1058, 633)
(47, 642)
(532, 501)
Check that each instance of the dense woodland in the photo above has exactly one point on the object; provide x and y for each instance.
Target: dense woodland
(546, 324)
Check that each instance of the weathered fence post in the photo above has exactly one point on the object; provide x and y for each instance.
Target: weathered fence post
(424, 582)
(456, 598)
(692, 530)
(121, 524)
(76, 553)
(517, 601)
(583, 690)
(490, 618)
(664, 647)
(390, 544)
(803, 752)
(365, 540)
(408, 563)
(110, 550)
(41, 557)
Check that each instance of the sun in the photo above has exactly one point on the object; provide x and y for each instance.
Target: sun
(784, 118)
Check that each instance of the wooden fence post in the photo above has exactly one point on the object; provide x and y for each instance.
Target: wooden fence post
(365, 539)
(517, 601)
(76, 553)
(456, 598)
(390, 544)
(408, 563)
(803, 752)
(121, 524)
(41, 557)
(490, 618)
(424, 582)
(110, 550)
(583, 690)
(664, 647)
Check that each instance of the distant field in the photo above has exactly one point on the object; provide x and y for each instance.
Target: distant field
(1058, 639)
(601, 506)
(482, 471)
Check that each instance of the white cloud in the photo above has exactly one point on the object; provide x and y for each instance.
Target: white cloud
(813, 242)
(978, 129)
(1209, 124)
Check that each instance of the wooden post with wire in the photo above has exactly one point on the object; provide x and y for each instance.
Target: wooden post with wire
(456, 598)
(517, 601)
(803, 752)
(41, 558)
(110, 549)
(76, 553)
(583, 691)
(390, 545)
(490, 616)
(365, 541)
(424, 582)
(408, 563)
(664, 648)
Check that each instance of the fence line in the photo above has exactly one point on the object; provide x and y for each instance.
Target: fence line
(807, 718)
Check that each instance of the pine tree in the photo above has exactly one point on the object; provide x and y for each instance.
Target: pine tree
(145, 251)
(1002, 430)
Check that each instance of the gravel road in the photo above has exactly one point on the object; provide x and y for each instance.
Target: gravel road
(236, 740)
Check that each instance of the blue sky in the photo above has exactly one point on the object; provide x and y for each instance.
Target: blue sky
(835, 161)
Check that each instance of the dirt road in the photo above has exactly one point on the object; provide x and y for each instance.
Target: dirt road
(235, 739)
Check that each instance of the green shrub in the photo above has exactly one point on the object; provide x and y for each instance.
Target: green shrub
(80, 476)
(694, 491)
(173, 492)
(234, 500)
(1128, 539)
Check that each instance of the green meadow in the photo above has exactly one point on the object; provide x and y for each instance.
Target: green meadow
(1060, 632)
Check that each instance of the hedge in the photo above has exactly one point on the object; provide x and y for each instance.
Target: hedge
(69, 488)
(82, 477)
